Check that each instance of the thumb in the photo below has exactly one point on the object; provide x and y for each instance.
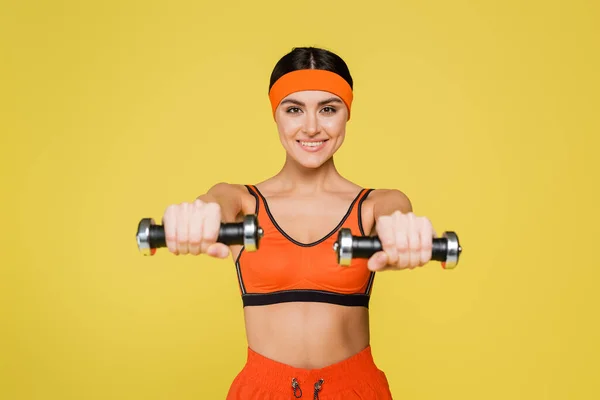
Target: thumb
(377, 261)
(218, 250)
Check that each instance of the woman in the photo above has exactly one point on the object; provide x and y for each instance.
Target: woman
(307, 321)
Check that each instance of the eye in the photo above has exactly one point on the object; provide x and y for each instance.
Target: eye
(329, 109)
(293, 110)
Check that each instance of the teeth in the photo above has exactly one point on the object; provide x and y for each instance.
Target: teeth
(312, 144)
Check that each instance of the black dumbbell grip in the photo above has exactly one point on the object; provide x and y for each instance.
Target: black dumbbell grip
(229, 234)
(365, 247)
(156, 237)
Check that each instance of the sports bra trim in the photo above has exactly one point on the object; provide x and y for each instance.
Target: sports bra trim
(306, 295)
(328, 235)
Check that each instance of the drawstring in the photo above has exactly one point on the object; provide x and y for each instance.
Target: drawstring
(296, 387)
(318, 389)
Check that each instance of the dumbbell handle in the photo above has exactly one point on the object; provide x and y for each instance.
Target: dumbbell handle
(151, 236)
(365, 247)
(446, 249)
(229, 234)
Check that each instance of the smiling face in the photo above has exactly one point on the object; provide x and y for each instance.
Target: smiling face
(312, 126)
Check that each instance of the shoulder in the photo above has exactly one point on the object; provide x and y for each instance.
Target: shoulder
(228, 189)
(394, 195)
(386, 201)
(380, 202)
(234, 196)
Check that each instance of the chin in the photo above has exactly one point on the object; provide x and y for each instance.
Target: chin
(311, 163)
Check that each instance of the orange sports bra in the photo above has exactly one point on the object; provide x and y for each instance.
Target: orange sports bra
(285, 270)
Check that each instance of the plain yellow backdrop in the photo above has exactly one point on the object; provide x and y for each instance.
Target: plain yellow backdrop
(484, 113)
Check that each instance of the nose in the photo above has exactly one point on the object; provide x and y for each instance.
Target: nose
(311, 124)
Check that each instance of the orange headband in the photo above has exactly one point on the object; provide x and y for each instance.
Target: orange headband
(310, 79)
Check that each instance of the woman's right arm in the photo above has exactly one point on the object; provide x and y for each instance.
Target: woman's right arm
(193, 228)
(228, 197)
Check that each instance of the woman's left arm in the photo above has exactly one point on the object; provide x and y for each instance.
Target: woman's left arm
(406, 239)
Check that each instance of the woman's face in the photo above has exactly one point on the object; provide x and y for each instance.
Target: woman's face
(311, 125)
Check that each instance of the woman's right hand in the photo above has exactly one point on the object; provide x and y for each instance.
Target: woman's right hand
(193, 228)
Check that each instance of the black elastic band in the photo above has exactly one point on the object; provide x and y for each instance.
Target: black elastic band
(262, 299)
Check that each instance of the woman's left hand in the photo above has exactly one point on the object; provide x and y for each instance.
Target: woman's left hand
(406, 242)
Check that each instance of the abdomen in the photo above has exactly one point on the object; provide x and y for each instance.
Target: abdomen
(307, 335)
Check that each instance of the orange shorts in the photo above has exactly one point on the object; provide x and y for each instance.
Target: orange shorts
(355, 378)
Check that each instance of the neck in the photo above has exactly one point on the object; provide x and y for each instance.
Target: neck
(297, 178)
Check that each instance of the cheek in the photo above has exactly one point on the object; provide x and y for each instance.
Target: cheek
(335, 128)
(288, 128)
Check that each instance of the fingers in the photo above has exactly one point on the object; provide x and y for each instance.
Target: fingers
(211, 223)
(218, 250)
(414, 242)
(386, 232)
(193, 228)
(426, 235)
(378, 261)
(401, 230)
(170, 225)
(183, 228)
(406, 242)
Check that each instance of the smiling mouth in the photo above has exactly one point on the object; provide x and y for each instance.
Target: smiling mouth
(312, 143)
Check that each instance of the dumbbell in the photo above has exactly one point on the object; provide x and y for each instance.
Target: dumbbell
(446, 249)
(151, 236)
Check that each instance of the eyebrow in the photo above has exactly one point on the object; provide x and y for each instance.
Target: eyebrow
(321, 103)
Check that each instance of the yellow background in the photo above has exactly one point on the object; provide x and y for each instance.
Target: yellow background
(484, 113)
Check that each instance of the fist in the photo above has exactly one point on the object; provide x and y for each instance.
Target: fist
(406, 242)
(193, 228)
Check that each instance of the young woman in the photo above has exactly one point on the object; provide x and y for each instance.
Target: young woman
(307, 321)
